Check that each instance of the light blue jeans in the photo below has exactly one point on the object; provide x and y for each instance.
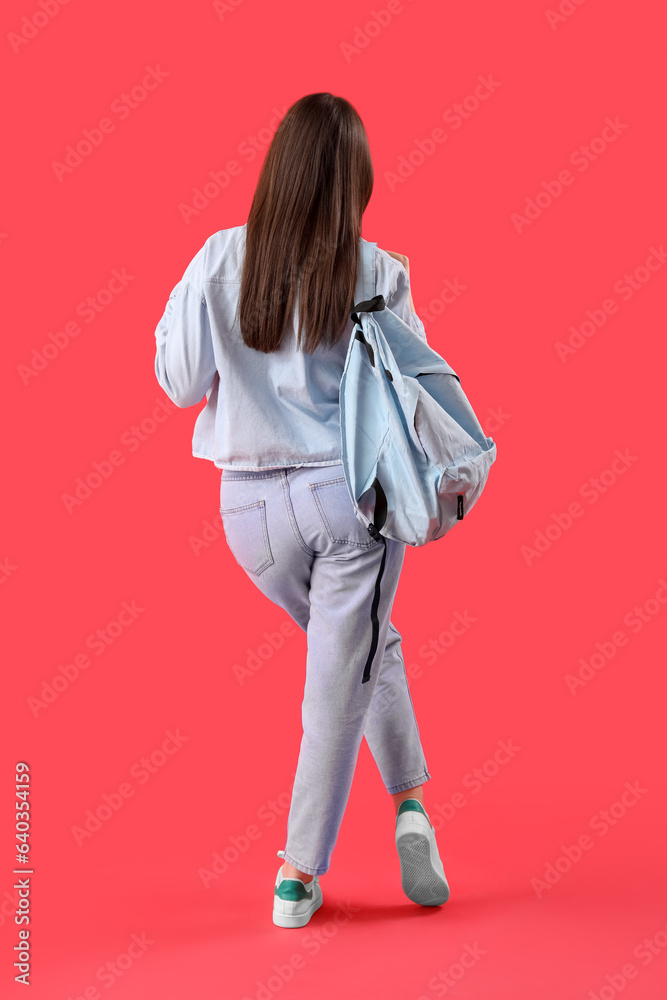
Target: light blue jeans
(294, 532)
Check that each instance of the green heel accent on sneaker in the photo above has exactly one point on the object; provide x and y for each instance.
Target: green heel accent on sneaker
(408, 804)
(293, 888)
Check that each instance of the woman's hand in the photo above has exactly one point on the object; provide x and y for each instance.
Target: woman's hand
(402, 259)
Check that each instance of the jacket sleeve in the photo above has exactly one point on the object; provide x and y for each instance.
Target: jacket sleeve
(184, 360)
(399, 302)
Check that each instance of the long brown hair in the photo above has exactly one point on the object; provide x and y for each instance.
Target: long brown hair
(304, 224)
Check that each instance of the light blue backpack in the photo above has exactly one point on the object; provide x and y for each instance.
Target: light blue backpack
(414, 454)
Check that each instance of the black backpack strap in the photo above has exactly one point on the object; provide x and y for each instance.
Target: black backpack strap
(379, 517)
(370, 302)
(376, 304)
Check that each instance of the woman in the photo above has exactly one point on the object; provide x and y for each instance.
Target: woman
(260, 324)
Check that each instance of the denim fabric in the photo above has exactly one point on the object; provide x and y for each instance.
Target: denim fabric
(262, 411)
(295, 534)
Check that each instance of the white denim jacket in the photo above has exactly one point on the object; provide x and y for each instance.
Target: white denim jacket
(262, 411)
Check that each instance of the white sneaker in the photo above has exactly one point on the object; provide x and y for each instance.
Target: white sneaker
(295, 901)
(422, 874)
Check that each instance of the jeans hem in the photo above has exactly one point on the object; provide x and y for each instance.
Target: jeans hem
(305, 868)
(412, 783)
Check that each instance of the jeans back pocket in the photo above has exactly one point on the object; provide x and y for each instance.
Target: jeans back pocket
(336, 510)
(247, 536)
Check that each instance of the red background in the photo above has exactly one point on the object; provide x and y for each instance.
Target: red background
(67, 574)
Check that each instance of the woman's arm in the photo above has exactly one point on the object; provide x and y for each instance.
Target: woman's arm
(184, 357)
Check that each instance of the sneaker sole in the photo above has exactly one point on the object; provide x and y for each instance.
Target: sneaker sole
(421, 882)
